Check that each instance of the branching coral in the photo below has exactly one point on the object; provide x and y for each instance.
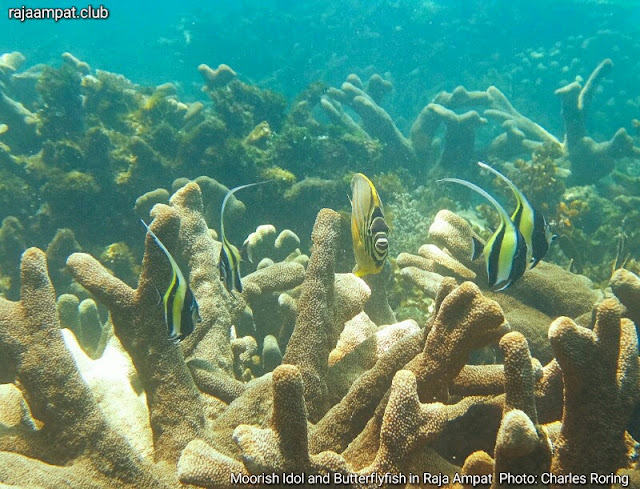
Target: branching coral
(406, 408)
(626, 286)
(590, 160)
(271, 380)
(529, 305)
(601, 373)
(75, 443)
(139, 325)
(315, 333)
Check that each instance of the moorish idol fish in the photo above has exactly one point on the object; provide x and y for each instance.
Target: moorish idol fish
(180, 306)
(505, 253)
(229, 255)
(368, 228)
(531, 223)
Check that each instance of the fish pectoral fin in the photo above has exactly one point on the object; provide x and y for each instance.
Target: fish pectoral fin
(244, 252)
(477, 248)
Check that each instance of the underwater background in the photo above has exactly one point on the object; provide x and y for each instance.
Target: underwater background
(158, 111)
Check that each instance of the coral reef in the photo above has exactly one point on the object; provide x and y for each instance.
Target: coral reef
(588, 161)
(398, 400)
(541, 295)
(75, 137)
(308, 372)
(71, 442)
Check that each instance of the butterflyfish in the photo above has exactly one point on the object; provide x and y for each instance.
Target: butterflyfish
(180, 306)
(505, 253)
(531, 222)
(230, 256)
(369, 230)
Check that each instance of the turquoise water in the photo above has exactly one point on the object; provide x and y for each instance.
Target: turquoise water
(287, 44)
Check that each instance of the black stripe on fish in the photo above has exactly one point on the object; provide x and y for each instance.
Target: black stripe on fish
(379, 247)
(169, 304)
(517, 215)
(230, 268)
(494, 257)
(178, 291)
(519, 260)
(229, 262)
(190, 315)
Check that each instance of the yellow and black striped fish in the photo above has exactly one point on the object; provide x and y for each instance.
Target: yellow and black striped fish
(369, 230)
(230, 258)
(180, 305)
(505, 253)
(531, 222)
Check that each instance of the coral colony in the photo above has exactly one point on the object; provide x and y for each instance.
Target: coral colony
(414, 375)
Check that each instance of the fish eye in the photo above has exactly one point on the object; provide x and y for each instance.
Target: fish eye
(554, 237)
(382, 244)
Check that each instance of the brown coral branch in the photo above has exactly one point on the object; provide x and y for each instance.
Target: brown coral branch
(315, 333)
(138, 322)
(600, 370)
(465, 321)
(72, 424)
(347, 418)
(626, 287)
(522, 446)
(478, 380)
(590, 160)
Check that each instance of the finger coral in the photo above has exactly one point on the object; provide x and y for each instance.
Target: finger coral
(399, 401)
(74, 441)
(600, 373)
